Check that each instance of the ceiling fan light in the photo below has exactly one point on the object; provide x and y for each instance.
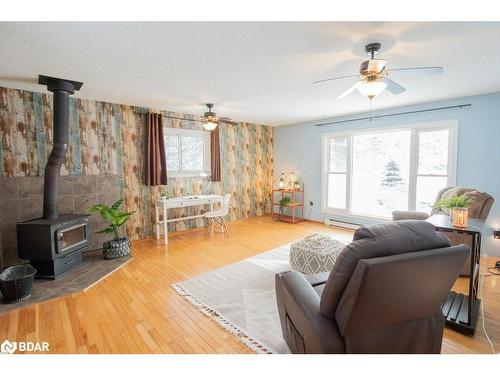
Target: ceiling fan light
(210, 125)
(371, 89)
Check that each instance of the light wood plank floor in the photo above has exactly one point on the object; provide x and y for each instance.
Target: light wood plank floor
(134, 310)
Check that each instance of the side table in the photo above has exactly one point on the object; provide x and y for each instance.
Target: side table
(460, 310)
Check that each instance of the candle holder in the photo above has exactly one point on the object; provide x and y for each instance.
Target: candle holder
(285, 181)
(460, 217)
(281, 184)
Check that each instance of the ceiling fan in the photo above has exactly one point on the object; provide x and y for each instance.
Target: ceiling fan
(373, 76)
(211, 120)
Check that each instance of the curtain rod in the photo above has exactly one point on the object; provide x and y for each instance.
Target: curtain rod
(224, 120)
(394, 114)
(182, 118)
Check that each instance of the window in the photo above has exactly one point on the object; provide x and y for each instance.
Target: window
(337, 175)
(374, 172)
(432, 171)
(187, 152)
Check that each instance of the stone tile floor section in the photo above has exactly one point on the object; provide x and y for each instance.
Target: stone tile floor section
(93, 269)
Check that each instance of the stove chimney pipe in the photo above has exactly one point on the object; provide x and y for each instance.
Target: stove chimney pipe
(62, 89)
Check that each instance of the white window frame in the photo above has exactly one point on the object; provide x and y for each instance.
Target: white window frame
(206, 150)
(415, 130)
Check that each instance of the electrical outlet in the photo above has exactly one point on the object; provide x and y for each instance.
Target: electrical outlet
(311, 203)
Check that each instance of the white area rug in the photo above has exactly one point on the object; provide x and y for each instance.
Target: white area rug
(242, 299)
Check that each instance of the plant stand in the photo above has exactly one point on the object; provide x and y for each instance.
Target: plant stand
(297, 208)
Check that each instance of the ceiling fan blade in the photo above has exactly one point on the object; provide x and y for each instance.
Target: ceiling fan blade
(393, 87)
(376, 65)
(227, 120)
(349, 90)
(336, 78)
(422, 69)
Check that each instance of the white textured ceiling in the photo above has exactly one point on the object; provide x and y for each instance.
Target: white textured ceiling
(258, 72)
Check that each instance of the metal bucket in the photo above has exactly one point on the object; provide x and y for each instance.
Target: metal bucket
(16, 282)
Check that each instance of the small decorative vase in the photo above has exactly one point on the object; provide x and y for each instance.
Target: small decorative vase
(207, 190)
(460, 217)
(116, 248)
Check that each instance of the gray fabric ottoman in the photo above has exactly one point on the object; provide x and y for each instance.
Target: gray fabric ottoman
(315, 253)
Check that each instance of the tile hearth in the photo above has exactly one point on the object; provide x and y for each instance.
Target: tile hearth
(93, 269)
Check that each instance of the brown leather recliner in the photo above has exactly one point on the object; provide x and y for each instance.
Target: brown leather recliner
(382, 296)
(479, 209)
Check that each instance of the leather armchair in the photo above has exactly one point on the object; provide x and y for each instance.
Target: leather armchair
(479, 209)
(382, 296)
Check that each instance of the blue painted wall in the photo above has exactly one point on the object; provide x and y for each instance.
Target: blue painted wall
(298, 147)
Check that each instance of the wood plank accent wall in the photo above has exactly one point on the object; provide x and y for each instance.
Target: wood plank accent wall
(108, 139)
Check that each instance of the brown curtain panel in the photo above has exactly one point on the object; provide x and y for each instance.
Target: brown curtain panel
(156, 162)
(215, 155)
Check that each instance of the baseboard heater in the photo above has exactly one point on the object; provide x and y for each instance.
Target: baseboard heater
(341, 224)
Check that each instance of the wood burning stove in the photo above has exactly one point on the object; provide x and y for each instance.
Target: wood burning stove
(53, 243)
(53, 246)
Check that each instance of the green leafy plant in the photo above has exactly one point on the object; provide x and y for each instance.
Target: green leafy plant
(457, 201)
(114, 215)
(285, 201)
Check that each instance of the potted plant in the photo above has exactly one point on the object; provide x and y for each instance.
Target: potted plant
(165, 194)
(118, 246)
(296, 185)
(285, 201)
(459, 207)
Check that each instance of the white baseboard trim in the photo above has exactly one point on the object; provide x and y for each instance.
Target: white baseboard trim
(341, 224)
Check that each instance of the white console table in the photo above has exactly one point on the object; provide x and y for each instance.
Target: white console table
(163, 205)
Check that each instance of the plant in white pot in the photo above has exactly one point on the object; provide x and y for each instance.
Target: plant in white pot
(118, 246)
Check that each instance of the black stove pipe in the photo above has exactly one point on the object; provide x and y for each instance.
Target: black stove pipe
(62, 89)
(57, 155)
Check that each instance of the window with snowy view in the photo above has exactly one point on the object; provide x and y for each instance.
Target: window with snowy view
(187, 152)
(374, 172)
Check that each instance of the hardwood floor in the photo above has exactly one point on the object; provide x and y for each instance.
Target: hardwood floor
(134, 310)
